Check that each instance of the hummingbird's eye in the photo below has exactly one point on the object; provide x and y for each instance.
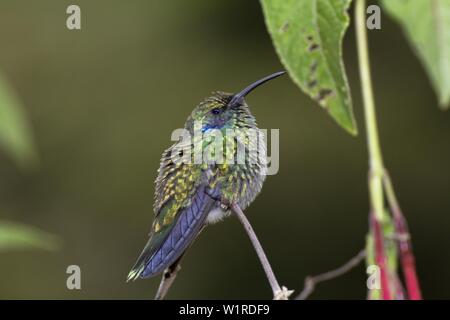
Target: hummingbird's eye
(216, 111)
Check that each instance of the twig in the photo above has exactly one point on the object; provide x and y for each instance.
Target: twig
(167, 280)
(399, 290)
(377, 172)
(312, 281)
(278, 292)
(170, 274)
(380, 257)
(404, 242)
(376, 165)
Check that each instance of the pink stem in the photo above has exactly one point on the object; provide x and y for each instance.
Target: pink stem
(404, 242)
(406, 256)
(380, 258)
(399, 290)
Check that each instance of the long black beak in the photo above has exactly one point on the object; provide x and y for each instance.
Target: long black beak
(239, 97)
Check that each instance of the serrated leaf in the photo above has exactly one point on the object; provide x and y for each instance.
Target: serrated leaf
(308, 35)
(15, 135)
(18, 236)
(427, 26)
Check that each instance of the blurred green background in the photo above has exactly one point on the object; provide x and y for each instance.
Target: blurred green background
(103, 101)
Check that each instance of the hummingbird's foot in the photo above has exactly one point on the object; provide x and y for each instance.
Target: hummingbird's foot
(283, 294)
(225, 207)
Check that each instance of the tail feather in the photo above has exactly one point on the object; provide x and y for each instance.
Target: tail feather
(135, 273)
(155, 258)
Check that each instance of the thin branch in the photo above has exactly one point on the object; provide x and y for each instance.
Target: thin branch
(312, 281)
(404, 242)
(399, 290)
(376, 172)
(170, 274)
(380, 256)
(167, 280)
(278, 292)
(373, 142)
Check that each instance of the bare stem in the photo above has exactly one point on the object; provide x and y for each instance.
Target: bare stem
(312, 281)
(276, 289)
(376, 166)
(167, 280)
(379, 177)
(373, 143)
(404, 242)
(380, 257)
(399, 290)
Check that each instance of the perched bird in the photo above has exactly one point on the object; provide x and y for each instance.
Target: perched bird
(190, 195)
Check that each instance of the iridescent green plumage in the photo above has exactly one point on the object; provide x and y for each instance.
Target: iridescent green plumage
(189, 195)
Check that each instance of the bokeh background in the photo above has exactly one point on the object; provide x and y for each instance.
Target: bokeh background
(103, 101)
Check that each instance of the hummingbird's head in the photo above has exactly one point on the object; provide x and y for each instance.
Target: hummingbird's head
(226, 110)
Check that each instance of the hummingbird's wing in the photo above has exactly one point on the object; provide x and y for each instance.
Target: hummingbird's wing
(166, 246)
(182, 202)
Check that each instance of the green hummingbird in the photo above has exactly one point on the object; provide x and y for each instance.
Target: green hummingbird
(189, 195)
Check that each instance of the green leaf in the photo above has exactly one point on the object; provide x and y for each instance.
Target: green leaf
(15, 135)
(308, 35)
(427, 26)
(18, 236)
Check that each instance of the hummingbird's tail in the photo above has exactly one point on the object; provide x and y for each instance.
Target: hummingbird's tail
(140, 264)
(162, 250)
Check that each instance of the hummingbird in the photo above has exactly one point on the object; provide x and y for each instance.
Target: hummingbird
(191, 195)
